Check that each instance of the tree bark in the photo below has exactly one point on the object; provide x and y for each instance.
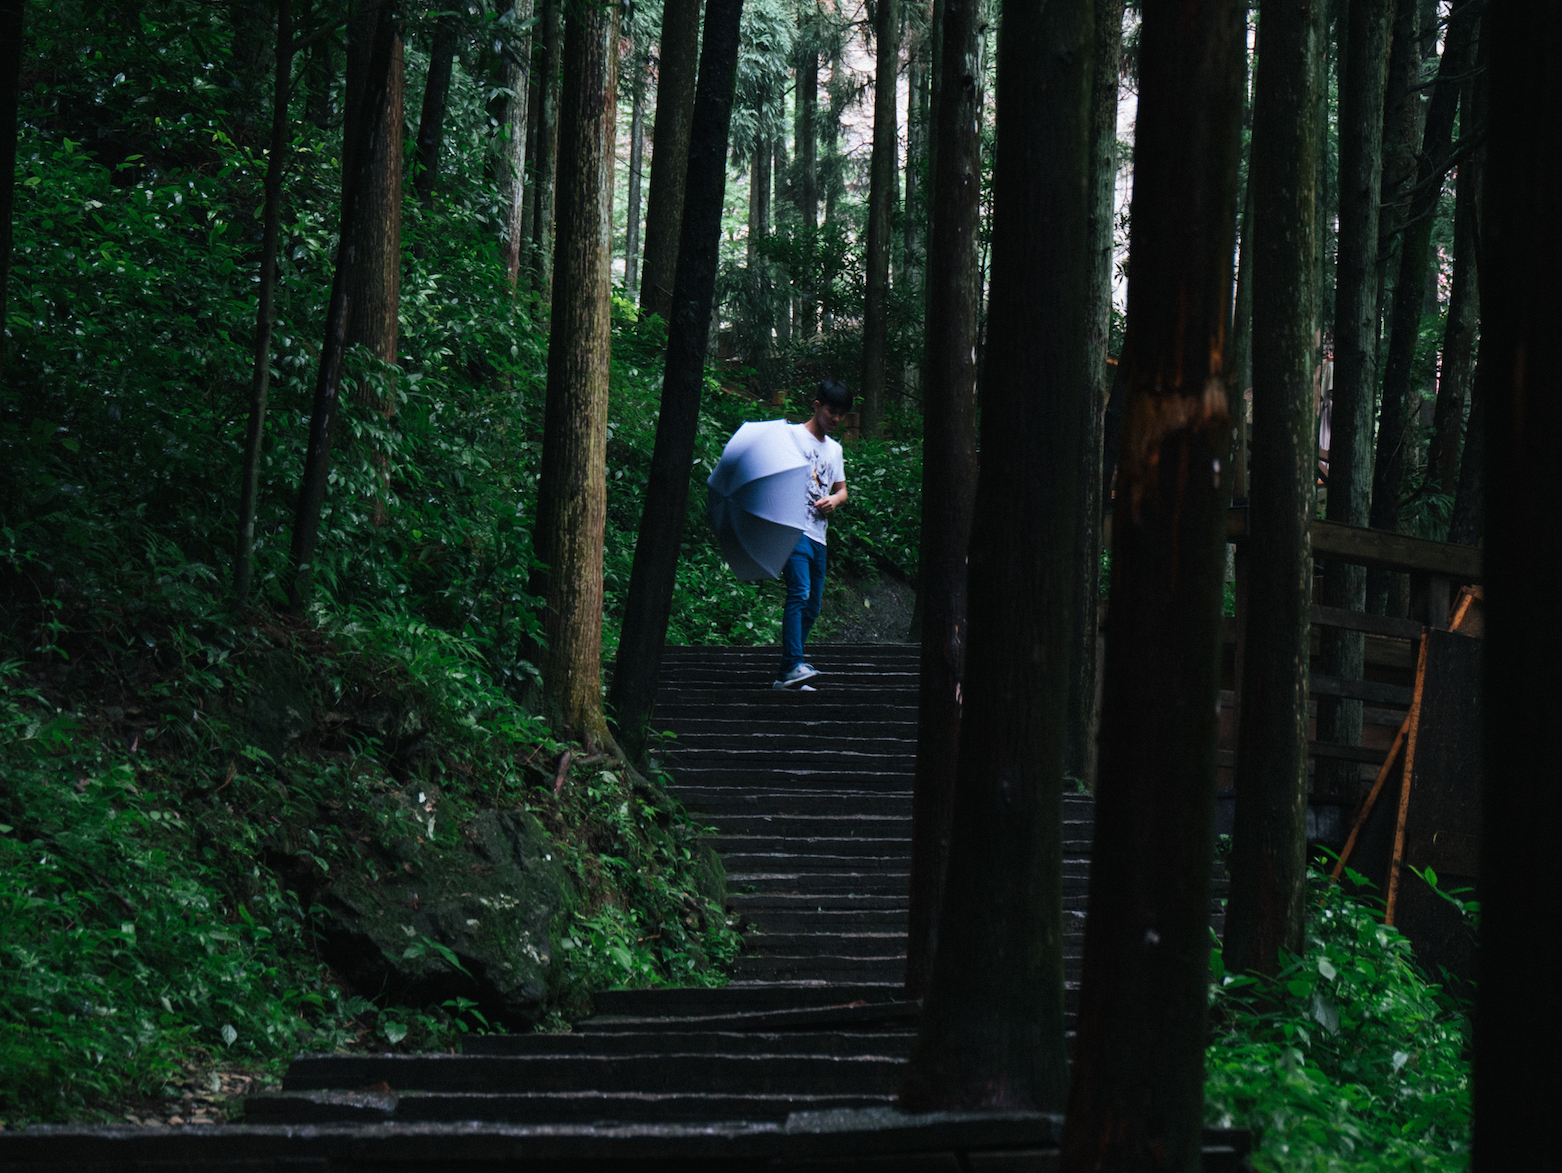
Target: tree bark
(265, 308)
(653, 574)
(1396, 415)
(1137, 1097)
(548, 33)
(948, 471)
(374, 297)
(807, 136)
(664, 209)
(431, 121)
(881, 207)
(1080, 760)
(11, 20)
(1468, 523)
(1517, 1026)
(572, 494)
(507, 110)
(991, 1034)
(636, 162)
(916, 151)
(1464, 300)
(1355, 363)
(363, 132)
(1268, 864)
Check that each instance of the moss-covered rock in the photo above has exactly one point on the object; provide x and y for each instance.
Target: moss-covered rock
(480, 899)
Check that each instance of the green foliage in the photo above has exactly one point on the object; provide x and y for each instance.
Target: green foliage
(1349, 1058)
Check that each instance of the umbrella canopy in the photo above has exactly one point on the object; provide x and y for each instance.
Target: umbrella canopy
(758, 502)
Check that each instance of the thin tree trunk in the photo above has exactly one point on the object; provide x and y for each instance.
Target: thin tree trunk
(1240, 356)
(1080, 761)
(374, 297)
(948, 471)
(782, 193)
(1468, 523)
(675, 76)
(1268, 865)
(363, 130)
(431, 122)
(549, 31)
(1517, 1028)
(991, 1034)
(1396, 415)
(916, 126)
(265, 309)
(319, 72)
(508, 113)
(572, 497)
(1355, 363)
(1136, 1101)
(831, 171)
(808, 162)
(1464, 298)
(10, 100)
(881, 207)
(652, 577)
(529, 174)
(636, 162)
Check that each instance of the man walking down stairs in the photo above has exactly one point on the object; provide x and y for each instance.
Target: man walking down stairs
(797, 1059)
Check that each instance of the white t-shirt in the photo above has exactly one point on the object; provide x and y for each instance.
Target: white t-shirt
(829, 467)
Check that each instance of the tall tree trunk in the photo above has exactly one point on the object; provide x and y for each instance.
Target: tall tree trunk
(364, 129)
(572, 495)
(1517, 1025)
(10, 83)
(529, 174)
(652, 577)
(507, 112)
(783, 192)
(1240, 356)
(1080, 760)
(1355, 363)
(1269, 864)
(1396, 415)
(664, 209)
(948, 470)
(431, 122)
(1136, 1101)
(1468, 523)
(374, 298)
(265, 308)
(548, 33)
(991, 1034)
(636, 162)
(916, 157)
(807, 136)
(1464, 299)
(881, 208)
(830, 174)
(319, 74)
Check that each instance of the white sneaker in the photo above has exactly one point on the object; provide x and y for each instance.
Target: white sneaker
(796, 676)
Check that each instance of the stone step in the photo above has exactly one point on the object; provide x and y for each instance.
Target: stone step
(866, 1017)
(816, 726)
(735, 848)
(556, 1108)
(774, 705)
(826, 921)
(739, 998)
(825, 827)
(877, 1041)
(755, 903)
(788, 1071)
(871, 856)
(821, 883)
(854, 755)
(858, 944)
(822, 968)
(719, 800)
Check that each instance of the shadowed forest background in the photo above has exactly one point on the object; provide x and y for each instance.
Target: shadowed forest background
(219, 773)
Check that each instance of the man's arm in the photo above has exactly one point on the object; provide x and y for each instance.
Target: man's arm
(828, 505)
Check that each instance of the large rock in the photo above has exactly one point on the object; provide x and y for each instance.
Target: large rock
(488, 892)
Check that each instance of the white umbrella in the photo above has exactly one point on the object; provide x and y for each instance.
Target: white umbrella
(758, 502)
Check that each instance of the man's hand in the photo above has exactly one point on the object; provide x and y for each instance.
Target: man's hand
(828, 505)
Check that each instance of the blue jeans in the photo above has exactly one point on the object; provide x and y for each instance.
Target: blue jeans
(804, 575)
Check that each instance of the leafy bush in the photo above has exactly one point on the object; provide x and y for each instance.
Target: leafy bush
(1350, 1058)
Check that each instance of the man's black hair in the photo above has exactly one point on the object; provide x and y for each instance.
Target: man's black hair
(833, 393)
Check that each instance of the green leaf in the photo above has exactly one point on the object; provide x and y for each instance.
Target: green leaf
(229, 1035)
(394, 1031)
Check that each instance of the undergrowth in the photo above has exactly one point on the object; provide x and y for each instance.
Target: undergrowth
(1351, 1058)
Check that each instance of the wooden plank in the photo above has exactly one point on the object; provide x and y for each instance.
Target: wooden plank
(1379, 548)
(1361, 690)
(1386, 625)
(1346, 753)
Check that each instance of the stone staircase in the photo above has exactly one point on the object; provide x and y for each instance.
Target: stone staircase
(798, 1058)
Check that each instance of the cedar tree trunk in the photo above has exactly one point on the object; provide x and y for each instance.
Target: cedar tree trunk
(808, 165)
(10, 81)
(1268, 863)
(881, 207)
(431, 122)
(265, 309)
(547, 34)
(508, 113)
(1518, 1022)
(655, 568)
(991, 1033)
(1355, 363)
(374, 297)
(636, 161)
(572, 497)
(948, 469)
(675, 75)
(363, 130)
(1137, 1097)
